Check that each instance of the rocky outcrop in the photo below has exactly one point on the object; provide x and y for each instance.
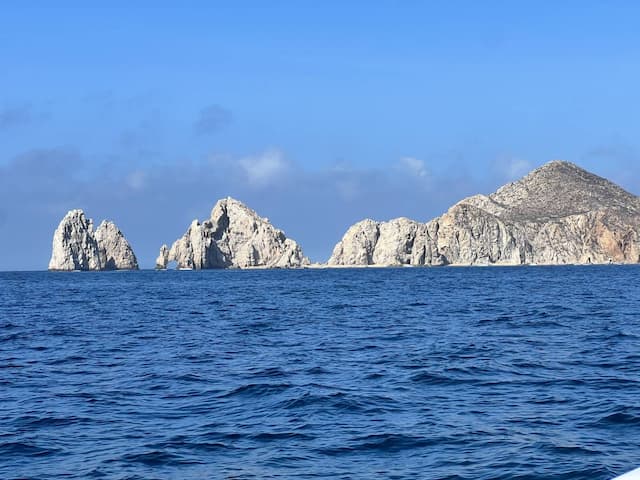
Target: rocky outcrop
(76, 246)
(163, 257)
(114, 250)
(234, 237)
(558, 214)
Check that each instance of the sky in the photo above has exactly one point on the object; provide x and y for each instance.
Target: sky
(315, 114)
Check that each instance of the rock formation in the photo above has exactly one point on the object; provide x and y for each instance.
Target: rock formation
(557, 214)
(114, 250)
(76, 246)
(234, 237)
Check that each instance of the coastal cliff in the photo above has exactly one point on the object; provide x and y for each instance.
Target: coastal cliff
(233, 237)
(557, 214)
(76, 246)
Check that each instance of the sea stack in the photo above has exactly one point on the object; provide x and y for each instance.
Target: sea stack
(76, 246)
(557, 214)
(233, 237)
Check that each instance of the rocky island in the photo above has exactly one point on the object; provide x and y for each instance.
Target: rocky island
(76, 246)
(557, 214)
(233, 237)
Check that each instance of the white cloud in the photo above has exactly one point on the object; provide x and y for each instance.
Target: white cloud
(414, 166)
(265, 168)
(347, 188)
(137, 180)
(516, 168)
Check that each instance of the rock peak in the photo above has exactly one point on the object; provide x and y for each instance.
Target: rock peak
(554, 164)
(76, 246)
(234, 236)
(558, 169)
(559, 189)
(557, 214)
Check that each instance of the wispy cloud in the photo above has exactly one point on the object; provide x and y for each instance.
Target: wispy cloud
(265, 168)
(509, 168)
(414, 167)
(136, 180)
(16, 115)
(518, 167)
(211, 119)
(44, 164)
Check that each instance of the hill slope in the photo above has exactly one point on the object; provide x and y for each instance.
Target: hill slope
(557, 214)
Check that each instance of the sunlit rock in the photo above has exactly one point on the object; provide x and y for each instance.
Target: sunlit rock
(76, 246)
(233, 237)
(557, 214)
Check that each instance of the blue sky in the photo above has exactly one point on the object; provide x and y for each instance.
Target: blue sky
(316, 114)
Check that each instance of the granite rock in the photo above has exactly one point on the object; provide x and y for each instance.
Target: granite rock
(76, 246)
(557, 214)
(233, 237)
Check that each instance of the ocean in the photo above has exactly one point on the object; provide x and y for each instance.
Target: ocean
(435, 373)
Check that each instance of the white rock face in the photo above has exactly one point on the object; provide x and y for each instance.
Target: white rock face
(558, 214)
(234, 237)
(77, 247)
(114, 251)
(163, 257)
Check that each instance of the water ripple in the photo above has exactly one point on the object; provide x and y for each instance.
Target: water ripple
(498, 373)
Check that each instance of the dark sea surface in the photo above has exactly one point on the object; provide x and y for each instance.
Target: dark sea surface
(457, 373)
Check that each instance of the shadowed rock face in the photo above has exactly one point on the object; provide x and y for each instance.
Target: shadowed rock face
(234, 237)
(77, 247)
(557, 214)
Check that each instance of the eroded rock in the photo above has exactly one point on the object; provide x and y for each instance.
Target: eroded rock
(558, 214)
(76, 246)
(233, 237)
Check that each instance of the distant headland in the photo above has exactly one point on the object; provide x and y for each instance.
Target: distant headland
(557, 214)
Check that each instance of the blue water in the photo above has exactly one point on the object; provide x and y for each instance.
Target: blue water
(458, 373)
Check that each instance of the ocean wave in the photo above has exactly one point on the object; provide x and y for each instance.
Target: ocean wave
(156, 458)
(257, 389)
(25, 449)
(390, 373)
